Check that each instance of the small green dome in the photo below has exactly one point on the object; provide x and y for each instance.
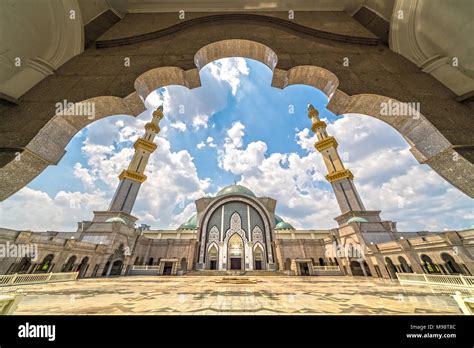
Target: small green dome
(278, 219)
(284, 226)
(116, 219)
(356, 219)
(191, 224)
(235, 190)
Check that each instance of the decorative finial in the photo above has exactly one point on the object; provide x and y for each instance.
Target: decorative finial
(158, 112)
(312, 112)
(235, 182)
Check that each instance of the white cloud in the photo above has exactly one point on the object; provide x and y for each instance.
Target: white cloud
(181, 126)
(201, 145)
(36, 210)
(386, 175)
(229, 70)
(83, 174)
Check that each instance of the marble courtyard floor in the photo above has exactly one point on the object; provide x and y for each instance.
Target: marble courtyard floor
(251, 295)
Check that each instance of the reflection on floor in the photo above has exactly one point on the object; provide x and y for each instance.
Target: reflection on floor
(202, 295)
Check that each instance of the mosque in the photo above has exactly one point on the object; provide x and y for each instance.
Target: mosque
(238, 232)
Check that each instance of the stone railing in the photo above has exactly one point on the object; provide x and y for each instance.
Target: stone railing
(15, 280)
(326, 268)
(145, 268)
(439, 282)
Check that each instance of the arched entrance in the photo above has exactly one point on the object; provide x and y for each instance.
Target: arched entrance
(356, 269)
(184, 265)
(404, 265)
(213, 257)
(450, 264)
(236, 252)
(428, 265)
(116, 267)
(258, 257)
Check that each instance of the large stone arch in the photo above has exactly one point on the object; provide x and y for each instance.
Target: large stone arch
(451, 160)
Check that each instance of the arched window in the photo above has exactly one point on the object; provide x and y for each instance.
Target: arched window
(46, 265)
(321, 262)
(150, 261)
(404, 265)
(428, 265)
(451, 265)
(391, 267)
(69, 265)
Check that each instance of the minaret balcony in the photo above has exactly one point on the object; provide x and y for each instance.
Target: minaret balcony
(340, 174)
(145, 145)
(326, 144)
(318, 124)
(153, 127)
(128, 174)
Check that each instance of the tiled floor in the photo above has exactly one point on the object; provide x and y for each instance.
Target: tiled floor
(261, 295)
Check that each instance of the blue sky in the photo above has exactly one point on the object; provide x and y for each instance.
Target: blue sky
(237, 127)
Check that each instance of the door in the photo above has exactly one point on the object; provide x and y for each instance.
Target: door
(235, 263)
(258, 264)
(167, 268)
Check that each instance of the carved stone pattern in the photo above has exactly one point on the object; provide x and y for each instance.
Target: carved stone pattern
(214, 234)
(257, 234)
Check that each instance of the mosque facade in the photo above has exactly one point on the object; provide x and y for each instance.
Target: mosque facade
(237, 232)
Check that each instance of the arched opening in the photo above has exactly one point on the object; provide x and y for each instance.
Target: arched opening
(392, 271)
(450, 264)
(288, 264)
(404, 265)
(236, 252)
(150, 261)
(213, 257)
(106, 268)
(116, 267)
(46, 265)
(69, 265)
(83, 266)
(321, 262)
(184, 265)
(428, 265)
(23, 266)
(258, 257)
(137, 261)
(356, 269)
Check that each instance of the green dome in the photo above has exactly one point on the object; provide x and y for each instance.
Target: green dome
(116, 219)
(356, 219)
(278, 219)
(235, 190)
(191, 224)
(284, 226)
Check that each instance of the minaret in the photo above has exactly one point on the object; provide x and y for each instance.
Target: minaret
(132, 177)
(340, 178)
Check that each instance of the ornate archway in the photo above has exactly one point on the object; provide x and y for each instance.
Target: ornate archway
(428, 145)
